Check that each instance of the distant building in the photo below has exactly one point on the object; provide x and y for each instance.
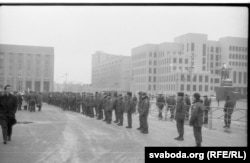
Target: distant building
(110, 72)
(27, 67)
(192, 63)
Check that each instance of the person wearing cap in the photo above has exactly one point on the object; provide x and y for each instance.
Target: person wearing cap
(160, 102)
(129, 109)
(143, 113)
(108, 109)
(228, 111)
(180, 115)
(8, 108)
(171, 105)
(196, 119)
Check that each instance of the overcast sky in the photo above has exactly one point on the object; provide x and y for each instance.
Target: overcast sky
(76, 32)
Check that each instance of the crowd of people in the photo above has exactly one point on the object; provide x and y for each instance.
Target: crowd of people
(102, 105)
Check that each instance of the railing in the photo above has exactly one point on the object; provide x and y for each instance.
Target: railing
(215, 114)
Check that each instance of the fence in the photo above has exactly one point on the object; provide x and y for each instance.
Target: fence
(216, 116)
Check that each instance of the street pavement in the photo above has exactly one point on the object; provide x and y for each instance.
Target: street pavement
(57, 136)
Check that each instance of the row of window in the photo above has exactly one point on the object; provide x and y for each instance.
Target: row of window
(195, 88)
(237, 48)
(238, 64)
(237, 56)
(240, 76)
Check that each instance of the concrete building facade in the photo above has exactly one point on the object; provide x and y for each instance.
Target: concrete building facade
(110, 72)
(192, 63)
(27, 67)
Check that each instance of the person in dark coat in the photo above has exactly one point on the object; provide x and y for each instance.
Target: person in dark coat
(129, 108)
(108, 109)
(19, 101)
(160, 102)
(115, 101)
(143, 113)
(196, 118)
(139, 106)
(120, 110)
(228, 110)
(188, 104)
(8, 108)
(180, 115)
(39, 101)
(207, 103)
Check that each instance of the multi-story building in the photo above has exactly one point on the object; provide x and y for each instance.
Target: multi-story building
(27, 67)
(192, 63)
(110, 72)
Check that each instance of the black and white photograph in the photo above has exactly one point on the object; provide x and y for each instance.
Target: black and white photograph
(100, 83)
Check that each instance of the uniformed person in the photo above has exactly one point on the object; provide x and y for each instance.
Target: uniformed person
(143, 113)
(129, 108)
(180, 115)
(84, 103)
(78, 102)
(39, 101)
(32, 101)
(228, 111)
(108, 109)
(207, 103)
(160, 102)
(196, 119)
(139, 106)
(120, 110)
(188, 105)
(115, 100)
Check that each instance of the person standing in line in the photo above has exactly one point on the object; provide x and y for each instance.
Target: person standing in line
(143, 113)
(228, 111)
(129, 109)
(120, 110)
(180, 115)
(188, 105)
(32, 101)
(139, 106)
(160, 104)
(8, 108)
(39, 101)
(108, 109)
(196, 119)
(115, 101)
(207, 103)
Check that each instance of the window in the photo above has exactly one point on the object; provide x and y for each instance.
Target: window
(200, 87)
(149, 78)
(149, 87)
(150, 62)
(230, 48)
(206, 88)
(154, 79)
(245, 78)
(236, 48)
(192, 46)
(182, 87)
(236, 56)
(188, 77)
(217, 50)
(150, 54)
(154, 87)
(194, 78)
(212, 49)
(204, 61)
(200, 78)
(212, 57)
(187, 46)
(234, 77)
(204, 68)
(230, 55)
(149, 70)
(180, 60)
(182, 77)
(155, 55)
(174, 60)
(188, 87)
(211, 80)
(194, 87)
(204, 49)
(211, 65)
(217, 57)
(186, 61)
(206, 79)
(216, 80)
(154, 70)
(240, 77)
(154, 62)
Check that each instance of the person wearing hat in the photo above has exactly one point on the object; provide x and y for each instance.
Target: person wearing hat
(108, 109)
(115, 101)
(129, 109)
(196, 119)
(180, 115)
(143, 113)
